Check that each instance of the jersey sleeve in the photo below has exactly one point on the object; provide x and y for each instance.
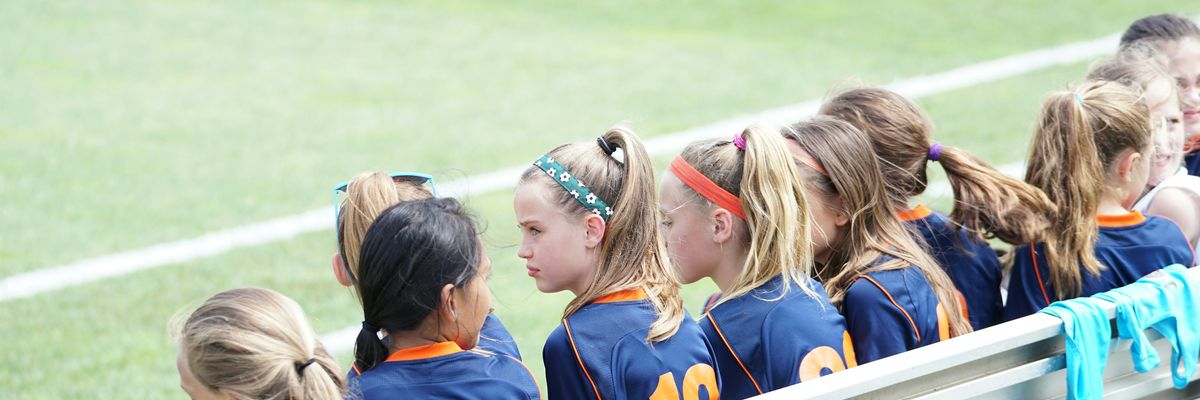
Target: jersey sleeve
(565, 376)
(494, 337)
(877, 327)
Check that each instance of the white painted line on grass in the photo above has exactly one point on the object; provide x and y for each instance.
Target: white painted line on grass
(49, 279)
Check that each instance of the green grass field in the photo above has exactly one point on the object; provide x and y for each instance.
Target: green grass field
(128, 124)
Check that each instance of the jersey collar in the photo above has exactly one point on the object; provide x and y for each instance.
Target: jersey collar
(1117, 221)
(426, 351)
(918, 212)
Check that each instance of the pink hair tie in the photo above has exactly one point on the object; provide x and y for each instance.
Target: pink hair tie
(739, 141)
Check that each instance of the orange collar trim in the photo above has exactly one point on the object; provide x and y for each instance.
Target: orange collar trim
(624, 295)
(918, 212)
(426, 351)
(1117, 221)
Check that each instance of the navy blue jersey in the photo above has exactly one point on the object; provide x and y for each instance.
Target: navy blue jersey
(445, 371)
(765, 341)
(971, 263)
(892, 311)
(493, 337)
(601, 352)
(1129, 247)
(1192, 160)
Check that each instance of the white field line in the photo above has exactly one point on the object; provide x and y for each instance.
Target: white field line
(84, 271)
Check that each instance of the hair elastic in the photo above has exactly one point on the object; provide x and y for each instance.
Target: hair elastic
(369, 328)
(1078, 98)
(301, 366)
(705, 187)
(605, 145)
(935, 151)
(574, 187)
(739, 141)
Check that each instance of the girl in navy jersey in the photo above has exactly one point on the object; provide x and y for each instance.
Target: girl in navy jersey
(587, 212)
(987, 203)
(1178, 38)
(1089, 156)
(365, 196)
(734, 211)
(892, 293)
(422, 279)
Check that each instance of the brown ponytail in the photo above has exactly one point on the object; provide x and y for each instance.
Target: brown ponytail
(632, 251)
(986, 201)
(1079, 134)
(853, 175)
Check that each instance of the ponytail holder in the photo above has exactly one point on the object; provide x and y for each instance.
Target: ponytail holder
(605, 145)
(739, 141)
(301, 366)
(366, 326)
(935, 151)
(1078, 98)
(706, 187)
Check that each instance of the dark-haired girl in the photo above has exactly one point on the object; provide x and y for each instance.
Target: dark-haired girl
(423, 281)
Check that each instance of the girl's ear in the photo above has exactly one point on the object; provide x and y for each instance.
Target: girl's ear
(594, 228)
(723, 225)
(447, 306)
(841, 217)
(340, 272)
(1127, 162)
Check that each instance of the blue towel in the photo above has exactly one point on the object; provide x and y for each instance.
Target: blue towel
(1167, 303)
(1088, 334)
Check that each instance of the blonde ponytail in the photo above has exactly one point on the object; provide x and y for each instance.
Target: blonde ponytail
(772, 197)
(632, 250)
(256, 344)
(367, 195)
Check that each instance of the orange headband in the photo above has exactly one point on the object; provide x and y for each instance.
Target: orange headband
(811, 163)
(705, 187)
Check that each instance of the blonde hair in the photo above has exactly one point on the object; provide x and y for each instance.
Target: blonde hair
(632, 250)
(873, 229)
(367, 195)
(772, 195)
(256, 344)
(987, 202)
(1079, 134)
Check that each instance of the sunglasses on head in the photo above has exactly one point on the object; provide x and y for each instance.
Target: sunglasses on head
(414, 177)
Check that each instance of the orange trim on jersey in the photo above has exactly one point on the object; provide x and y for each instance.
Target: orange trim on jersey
(848, 350)
(531, 376)
(916, 213)
(1192, 144)
(712, 300)
(692, 177)
(962, 300)
(1117, 221)
(624, 295)
(734, 353)
(354, 366)
(889, 296)
(570, 337)
(1037, 273)
(426, 351)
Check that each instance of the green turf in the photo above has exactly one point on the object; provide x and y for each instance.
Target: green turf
(128, 124)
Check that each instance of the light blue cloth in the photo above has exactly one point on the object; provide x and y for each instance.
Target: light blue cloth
(1167, 303)
(1087, 334)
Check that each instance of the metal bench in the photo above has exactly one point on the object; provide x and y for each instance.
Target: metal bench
(1020, 359)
